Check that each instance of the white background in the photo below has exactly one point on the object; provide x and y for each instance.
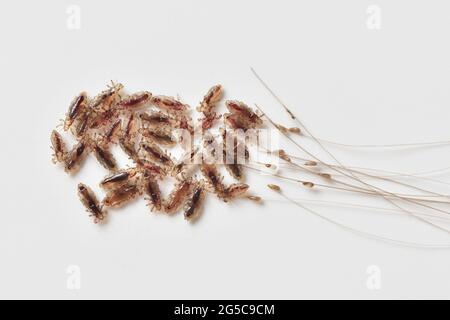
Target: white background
(346, 82)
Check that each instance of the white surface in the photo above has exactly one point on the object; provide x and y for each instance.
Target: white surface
(348, 83)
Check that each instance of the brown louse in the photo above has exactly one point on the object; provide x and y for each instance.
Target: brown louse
(128, 146)
(131, 128)
(76, 107)
(107, 98)
(81, 127)
(178, 196)
(118, 179)
(233, 154)
(121, 196)
(156, 154)
(104, 156)
(156, 118)
(194, 203)
(136, 100)
(160, 136)
(169, 104)
(245, 112)
(234, 190)
(151, 188)
(213, 178)
(90, 202)
(75, 156)
(58, 146)
(207, 105)
(210, 99)
(113, 133)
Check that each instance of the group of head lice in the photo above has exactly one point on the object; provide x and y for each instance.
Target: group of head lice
(144, 126)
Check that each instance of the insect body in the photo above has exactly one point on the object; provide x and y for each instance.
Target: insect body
(213, 178)
(131, 127)
(210, 99)
(156, 154)
(178, 196)
(89, 200)
(76, 108)
(156, 119)
(159, 135)
(241, 109)
(136, 100)
(119, 197)
(234, 190)
(59, 147)
(151, 188)
(207, 106)
(169, 104)
(193, 205)
(116, 180)
(128, 147)
(75, 156)
(104, 157)
(81, 126)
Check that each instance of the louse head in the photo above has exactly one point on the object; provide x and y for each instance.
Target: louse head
(81, 188)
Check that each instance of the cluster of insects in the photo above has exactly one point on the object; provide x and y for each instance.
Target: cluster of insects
(146, 126)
